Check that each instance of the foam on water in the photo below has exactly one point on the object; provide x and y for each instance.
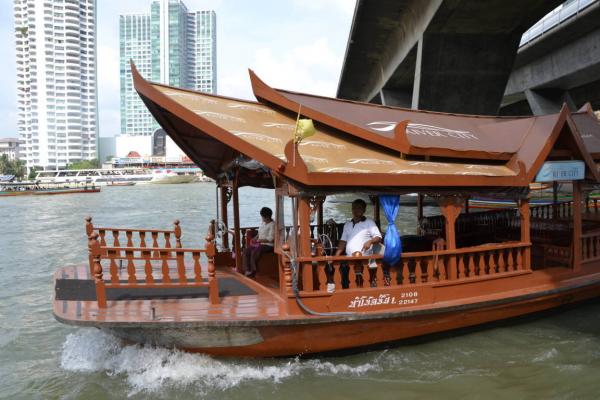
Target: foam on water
(150, 369)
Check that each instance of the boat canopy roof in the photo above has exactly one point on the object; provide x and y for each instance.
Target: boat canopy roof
(356, 144)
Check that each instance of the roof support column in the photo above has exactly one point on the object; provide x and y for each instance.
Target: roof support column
(577, 230)
(304, 224)
(236, 225)
(525, 231)
(451, 207)
(224, 217)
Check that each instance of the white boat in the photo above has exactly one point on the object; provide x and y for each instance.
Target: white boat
(176, 175)
(96, 176)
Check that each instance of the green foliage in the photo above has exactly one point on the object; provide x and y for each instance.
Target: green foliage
(85, 164)
(32, 173)
(11, 167)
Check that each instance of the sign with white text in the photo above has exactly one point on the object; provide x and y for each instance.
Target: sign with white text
(572, 170)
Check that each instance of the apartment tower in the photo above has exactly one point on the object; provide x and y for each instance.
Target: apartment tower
(171, 45)
(56, 81)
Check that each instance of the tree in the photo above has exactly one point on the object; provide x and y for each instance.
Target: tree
(11, 167)
(33, 173)
(84, 164)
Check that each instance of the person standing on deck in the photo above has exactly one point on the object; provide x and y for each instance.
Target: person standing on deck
(262, 243)
(359, 234)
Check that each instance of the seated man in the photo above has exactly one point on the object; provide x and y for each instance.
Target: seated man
(262, 243)
(359, 234)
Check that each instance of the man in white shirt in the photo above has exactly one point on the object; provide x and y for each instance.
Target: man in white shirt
(359, 234)
(262, 243)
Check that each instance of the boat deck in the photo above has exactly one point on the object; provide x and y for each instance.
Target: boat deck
(240, 299)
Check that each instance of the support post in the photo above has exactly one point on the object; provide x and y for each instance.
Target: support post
(236, 225)
(213, 285)
(95, 253)
(451, 207)
(224, 216)
(320, 202)
(419, 213)
(304, 225)
(577, 230)
(524, 216)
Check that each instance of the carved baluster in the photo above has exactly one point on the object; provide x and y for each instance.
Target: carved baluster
(429, 269)
(394, 275)
(130, 267)
(321, 276)
(156, 253)
(98, 279)
(213, 288)
(441, 267)
(584, 248)
(491, 262)
(197, 267)
(177, 231)
(337, 274)
(115, 234)
(129, 235)
(352, 274)
(89, 227)
(180, 266)
(510, 260)
(164, 255)
(501, 263)
(418, 271)
(470, 265)
(114, 271)
(142, 239)
(168, 240)
(405, 273)
(146, 255)
(520, 258)
(461, 267)
(102, 234)
(481, 264)
(378, 274)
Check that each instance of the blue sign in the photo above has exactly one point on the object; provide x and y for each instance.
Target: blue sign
(561, 171)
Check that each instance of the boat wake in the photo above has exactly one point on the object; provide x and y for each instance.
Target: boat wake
(153, 369)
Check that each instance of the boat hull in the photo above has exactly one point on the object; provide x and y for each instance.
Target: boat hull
(48, 192)
(288, 337)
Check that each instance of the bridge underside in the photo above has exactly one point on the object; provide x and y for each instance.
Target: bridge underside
(440, 55)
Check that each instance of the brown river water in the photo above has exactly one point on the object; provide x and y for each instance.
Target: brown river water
(555, 356)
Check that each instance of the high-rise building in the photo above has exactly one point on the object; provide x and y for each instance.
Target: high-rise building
(171, 45)
(56, 81)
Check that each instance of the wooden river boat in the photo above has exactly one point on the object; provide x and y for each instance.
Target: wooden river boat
(463, 268)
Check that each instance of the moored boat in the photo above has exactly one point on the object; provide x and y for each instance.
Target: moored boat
(28, 188)
(460, 269)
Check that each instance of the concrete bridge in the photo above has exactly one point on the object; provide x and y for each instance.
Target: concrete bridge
(559, 65)
(441, 55)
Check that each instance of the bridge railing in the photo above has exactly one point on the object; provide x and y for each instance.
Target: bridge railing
(554, 18)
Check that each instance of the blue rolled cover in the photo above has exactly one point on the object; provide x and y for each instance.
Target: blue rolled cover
(392, 241)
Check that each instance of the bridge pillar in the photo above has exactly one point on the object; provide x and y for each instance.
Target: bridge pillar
(548, 101)
(462, 72)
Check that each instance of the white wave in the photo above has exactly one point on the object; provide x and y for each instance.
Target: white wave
(152, 369)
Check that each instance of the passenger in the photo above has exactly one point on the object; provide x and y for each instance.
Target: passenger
(359, 234)
(261, 243)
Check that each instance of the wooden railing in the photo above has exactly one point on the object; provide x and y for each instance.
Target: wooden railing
(151, 268)
(562, 210)
(154, 238)
(590, 246)
(463, 264)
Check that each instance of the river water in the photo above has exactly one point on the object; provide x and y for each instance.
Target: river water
(556, 356)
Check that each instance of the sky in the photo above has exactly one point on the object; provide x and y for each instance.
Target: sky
(291, 44)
